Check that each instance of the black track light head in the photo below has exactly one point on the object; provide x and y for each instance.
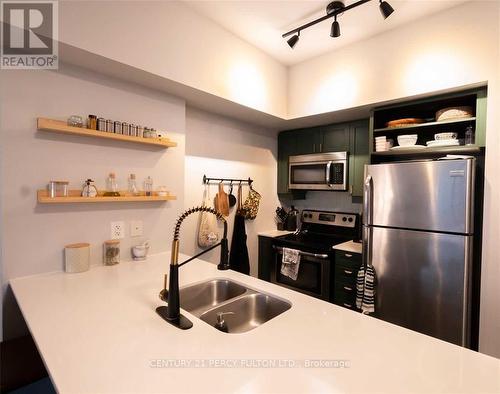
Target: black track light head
(293, 40)
(385, 9)
(335, 31)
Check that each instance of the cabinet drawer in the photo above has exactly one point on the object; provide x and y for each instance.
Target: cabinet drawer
(353, 260)
(345, 273)
(345, 299)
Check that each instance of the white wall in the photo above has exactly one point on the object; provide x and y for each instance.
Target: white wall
(34, 235)
(169, 39)
(453, 48)
(220, 147)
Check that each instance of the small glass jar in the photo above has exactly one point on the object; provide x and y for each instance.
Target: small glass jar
(132, 186)
(125, 128)
(101, 124)
(117, 127)
(75, 121)
(58, 189)
(111, 252)
(111, 186)
(162, 191)
(148, 186)
(110, 126)
(92, 122)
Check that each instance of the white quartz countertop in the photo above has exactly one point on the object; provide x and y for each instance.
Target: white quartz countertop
(350, 246)
(98, 332)
(274, 233)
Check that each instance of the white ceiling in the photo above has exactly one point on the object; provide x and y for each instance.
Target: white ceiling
(262, 22)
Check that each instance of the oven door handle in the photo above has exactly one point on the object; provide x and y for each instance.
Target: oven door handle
(308, 254)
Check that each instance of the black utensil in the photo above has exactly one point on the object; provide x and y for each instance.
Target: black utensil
(232, 198)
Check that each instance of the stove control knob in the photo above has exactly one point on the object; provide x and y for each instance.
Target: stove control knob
(344, 219)
(350, 220)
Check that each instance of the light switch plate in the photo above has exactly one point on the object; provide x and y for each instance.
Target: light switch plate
(117, 230)
(136, 228)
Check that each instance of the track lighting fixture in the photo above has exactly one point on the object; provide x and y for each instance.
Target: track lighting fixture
(334, 9)
(385, 9)
(293, 40)
(335, 31)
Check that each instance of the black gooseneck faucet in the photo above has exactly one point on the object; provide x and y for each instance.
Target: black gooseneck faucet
(171, 313)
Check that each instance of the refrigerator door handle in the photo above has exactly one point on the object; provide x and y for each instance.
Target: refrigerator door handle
(367, 218)
(368, 200)
(466, 313)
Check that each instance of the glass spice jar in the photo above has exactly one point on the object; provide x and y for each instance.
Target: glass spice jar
(111, 253)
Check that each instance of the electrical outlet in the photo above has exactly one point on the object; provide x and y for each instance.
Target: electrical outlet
(117, 230)
(136, 228)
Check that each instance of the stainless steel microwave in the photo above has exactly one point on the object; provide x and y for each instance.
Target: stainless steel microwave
(323, 171)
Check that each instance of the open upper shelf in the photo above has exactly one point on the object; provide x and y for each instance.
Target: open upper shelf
(74, 196)
(457, 150)
(424, 125)
(57, 126)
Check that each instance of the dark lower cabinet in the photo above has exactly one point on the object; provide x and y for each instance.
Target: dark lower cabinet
(266, 257)
(347, 265)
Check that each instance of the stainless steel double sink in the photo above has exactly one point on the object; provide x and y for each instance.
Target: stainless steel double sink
(250, 308)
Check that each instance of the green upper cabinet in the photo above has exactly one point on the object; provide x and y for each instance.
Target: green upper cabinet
(335, 138)
(308, 141)
(359, 155)
(286, 148)
(351, 137)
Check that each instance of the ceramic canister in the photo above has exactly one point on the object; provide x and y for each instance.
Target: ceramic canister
(77, 257)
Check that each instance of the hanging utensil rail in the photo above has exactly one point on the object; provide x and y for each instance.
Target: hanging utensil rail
(230, 180)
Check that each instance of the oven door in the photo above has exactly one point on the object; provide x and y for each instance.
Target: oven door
(314, 274)
(318, 172)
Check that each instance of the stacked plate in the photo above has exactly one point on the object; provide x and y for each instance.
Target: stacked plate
(444, 139)
(382, 144)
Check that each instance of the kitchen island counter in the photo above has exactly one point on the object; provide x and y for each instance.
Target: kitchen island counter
(97, 331)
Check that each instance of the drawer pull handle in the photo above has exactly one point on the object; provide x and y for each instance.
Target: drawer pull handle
(347, 288)
(347, 272)
(347, 305)
(348, 255)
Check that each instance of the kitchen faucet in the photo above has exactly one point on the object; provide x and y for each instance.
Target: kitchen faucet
(171, 313)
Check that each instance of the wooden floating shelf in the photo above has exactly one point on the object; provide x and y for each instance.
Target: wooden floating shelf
(423, 125)
(459, 150)
(75, 197)
(58, 126)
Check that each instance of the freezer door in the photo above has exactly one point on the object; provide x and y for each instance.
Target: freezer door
(425, 195)
(423, 281)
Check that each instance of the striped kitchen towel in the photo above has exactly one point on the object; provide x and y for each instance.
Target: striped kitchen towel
(365, 289)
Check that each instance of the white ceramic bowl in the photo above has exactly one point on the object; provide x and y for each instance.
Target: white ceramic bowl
(407, 139)
(445, 136)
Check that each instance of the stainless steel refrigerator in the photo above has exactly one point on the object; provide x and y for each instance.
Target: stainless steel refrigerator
(417, 234)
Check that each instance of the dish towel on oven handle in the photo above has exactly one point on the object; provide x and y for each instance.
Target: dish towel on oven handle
(365, 289)
(290, 263)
